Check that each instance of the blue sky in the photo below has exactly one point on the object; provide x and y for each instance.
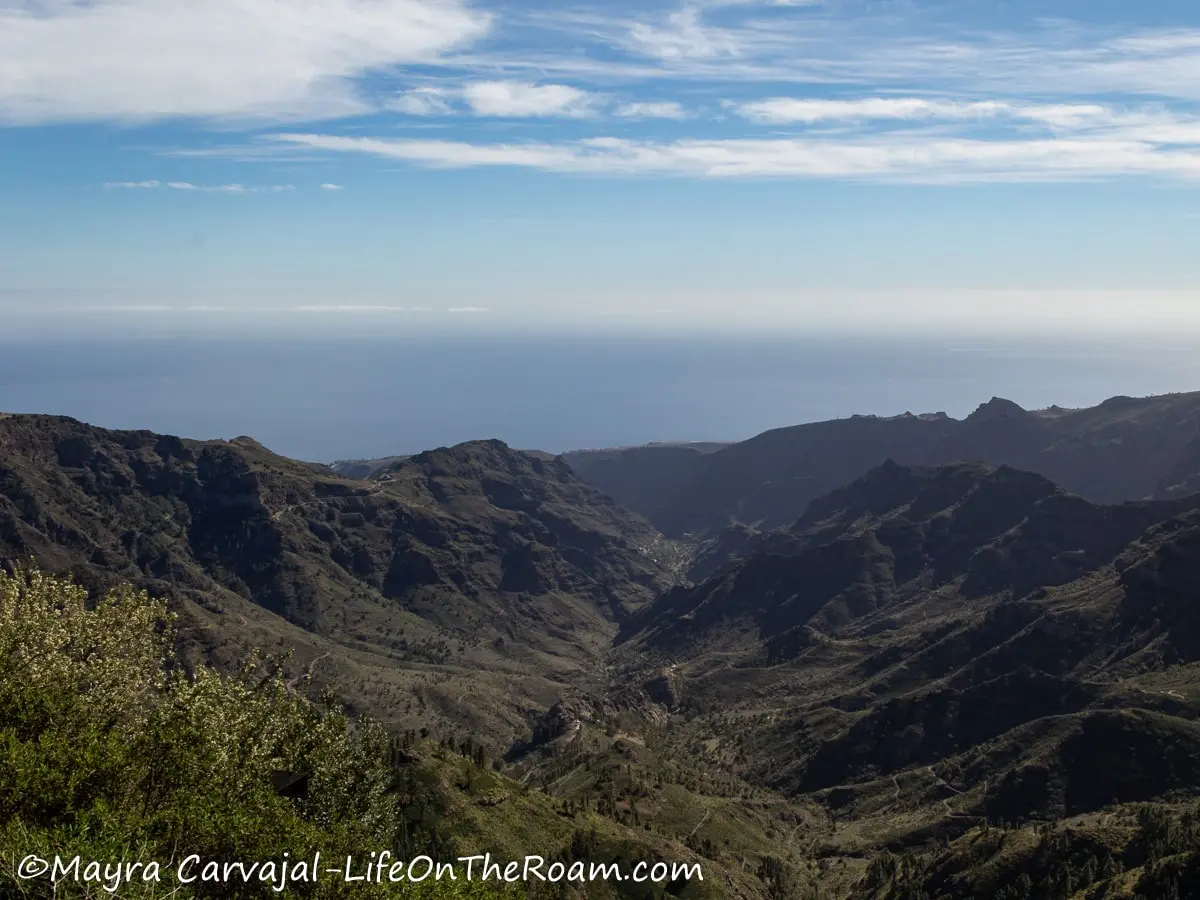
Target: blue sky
(645, 164)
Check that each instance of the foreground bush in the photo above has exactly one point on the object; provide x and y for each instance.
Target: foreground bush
(110, 750)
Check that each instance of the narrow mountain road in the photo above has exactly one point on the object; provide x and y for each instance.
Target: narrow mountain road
(276, 516)
(1173, 694)
(375, 489)
(295, 682)
(938, 780)
(941, 782)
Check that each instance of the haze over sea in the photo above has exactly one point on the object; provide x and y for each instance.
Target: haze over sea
(331, 398)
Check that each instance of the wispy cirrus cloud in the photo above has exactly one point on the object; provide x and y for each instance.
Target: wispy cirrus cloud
(422, 101)
(340, 308)
(201, 188)
(684, 35)
(524, 100)
(780, 110)
(663, 109)
(689, 33)
(1153, 125)
(889, 47)
(229, 188)
(717, 4)
(122, 308)
(817, 111)
(911, 95)
(147, 59)
(138, 60)
(929, 140)
(317, 309)
(500, 99)
(880, 158)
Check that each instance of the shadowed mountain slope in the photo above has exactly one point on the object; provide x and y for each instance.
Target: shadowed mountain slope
(1123, 449)
(967, 640)
(455, 563)
(896, 534)
(642, 477)
(924, 652)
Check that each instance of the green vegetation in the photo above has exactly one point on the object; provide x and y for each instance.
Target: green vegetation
(110, 750)
(937, 684)
(459, 589)
(1144, 853)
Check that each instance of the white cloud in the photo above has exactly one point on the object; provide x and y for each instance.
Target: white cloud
(502, 99)
(366, 307)
(720, 3)
(145, 59)
(1064, 115)
(446, 154)
(522, 99)
(128, 308)
(1149, 126)
(331, 187)
(901, 46)
(784, 110)
(666, 109)
(1061, 59)
(138, 60)
(342, 307)
(684, 35)
(885, 157)
(779, 110)
(424, 101)
(207, 189)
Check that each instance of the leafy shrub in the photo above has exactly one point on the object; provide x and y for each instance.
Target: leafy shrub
(109, 749)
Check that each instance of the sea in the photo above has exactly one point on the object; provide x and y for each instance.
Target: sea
(329, 398)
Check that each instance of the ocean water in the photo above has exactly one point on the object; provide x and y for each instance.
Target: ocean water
(326, 399)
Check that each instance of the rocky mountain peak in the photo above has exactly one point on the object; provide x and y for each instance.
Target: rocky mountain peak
(996, 409)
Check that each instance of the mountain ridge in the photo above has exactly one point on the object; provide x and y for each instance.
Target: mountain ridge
(1122, 449)
(922, 652)
(469, 559)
